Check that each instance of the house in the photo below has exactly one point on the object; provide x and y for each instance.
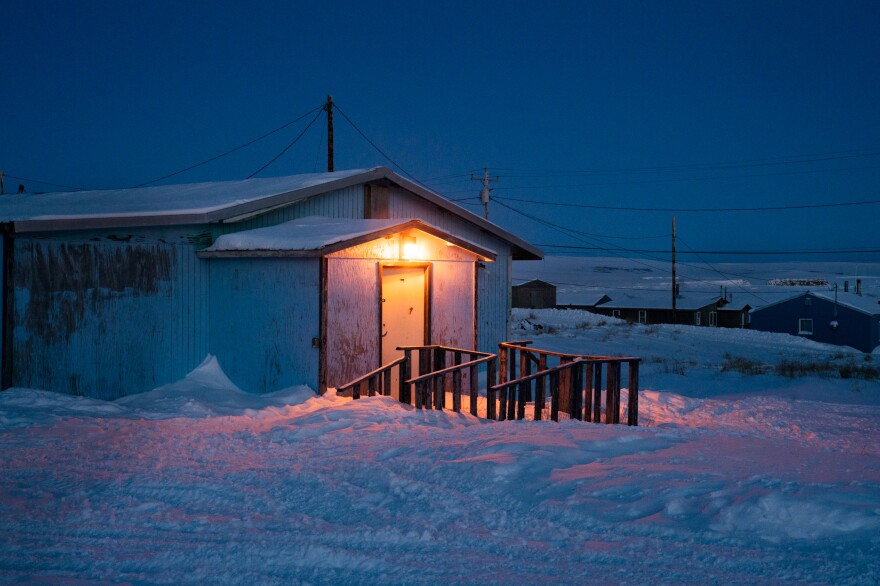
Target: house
(534, 294)
(310, 279)
(844, 318)
(655, 307)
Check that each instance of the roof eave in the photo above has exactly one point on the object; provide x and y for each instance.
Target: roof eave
(482, 253)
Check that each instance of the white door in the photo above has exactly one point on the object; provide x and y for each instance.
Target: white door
(403, 313)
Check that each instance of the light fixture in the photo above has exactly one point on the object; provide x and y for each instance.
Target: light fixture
(408, 247)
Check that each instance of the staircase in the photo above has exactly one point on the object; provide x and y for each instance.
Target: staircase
(515, 381)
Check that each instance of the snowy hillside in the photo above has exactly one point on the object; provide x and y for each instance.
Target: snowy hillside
(580, 280)
(737, 475)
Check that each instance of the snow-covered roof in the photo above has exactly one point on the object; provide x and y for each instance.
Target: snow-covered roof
(536, 283)
(188, 200)
(321, 235)
(860, 303)
(635, 299)
(203, 203)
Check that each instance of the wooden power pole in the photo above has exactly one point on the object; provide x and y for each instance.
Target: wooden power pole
(329, 109)
(484, 193)
(674, 284)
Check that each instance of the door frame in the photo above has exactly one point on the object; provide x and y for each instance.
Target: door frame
(428, 286)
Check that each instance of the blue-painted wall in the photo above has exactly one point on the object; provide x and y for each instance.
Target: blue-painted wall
(264, 314)
(856, 329)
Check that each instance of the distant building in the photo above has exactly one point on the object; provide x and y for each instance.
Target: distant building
(534, 294)
(694, 309)
(847, 319)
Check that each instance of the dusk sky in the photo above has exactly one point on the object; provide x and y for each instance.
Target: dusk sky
(667, 105)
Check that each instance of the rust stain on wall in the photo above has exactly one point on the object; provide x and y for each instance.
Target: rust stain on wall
(64, 281)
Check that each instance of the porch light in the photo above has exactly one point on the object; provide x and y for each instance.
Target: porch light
(409, 248)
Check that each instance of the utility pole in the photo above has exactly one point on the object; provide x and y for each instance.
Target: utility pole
(484, 194)
(329, 109)
(2, 187)
(674, 284)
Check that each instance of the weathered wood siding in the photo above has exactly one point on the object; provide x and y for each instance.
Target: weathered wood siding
(92, 317)
(264, 314)
(352, 318)
(452, 304)
(353, 305)
(493, 278)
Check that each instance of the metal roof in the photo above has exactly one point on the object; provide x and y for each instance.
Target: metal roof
(862, 304)
(316, 235)
(214, 202)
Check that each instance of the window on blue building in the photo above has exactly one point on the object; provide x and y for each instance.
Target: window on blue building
(805, 327)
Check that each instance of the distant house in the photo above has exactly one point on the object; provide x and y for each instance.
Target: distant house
(310, 279)
(849, 320)
(534, 294)
(695, 309)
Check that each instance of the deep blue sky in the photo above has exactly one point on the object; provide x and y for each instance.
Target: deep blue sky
(111, 94)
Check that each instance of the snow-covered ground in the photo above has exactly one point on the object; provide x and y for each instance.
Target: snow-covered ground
(736, 475)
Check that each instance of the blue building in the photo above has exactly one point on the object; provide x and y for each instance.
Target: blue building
(311, 279)
(846, 319)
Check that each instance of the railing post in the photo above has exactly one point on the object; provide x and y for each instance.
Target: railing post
(525, 369)
(539, 388)
(614, 389)
(356, 391)
(588, 391)
(522, 390)
(564, 384)
(425, 357)
(456, 383)
(554, 395)
(371, 386)
(439, 386)
(502, 364)
(405, 373)
(474, 386)
(490, 392)
(597, 394)
(511, 364)
(386, 382)
(633, 402)
(511, 401)
(575, 382)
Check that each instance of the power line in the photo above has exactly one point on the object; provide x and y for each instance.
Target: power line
(229, 152)
(287, 148)
(721, 252)
(642, 209)
(46, 182)
(691, 179)
(614, 248)
(741, 164)
(372, 144)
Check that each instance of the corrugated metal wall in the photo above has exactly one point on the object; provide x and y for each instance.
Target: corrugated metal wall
(343, 203)
(190, 304)
(92, 317)
(264, 314)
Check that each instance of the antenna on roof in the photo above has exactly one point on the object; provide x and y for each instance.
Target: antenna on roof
(329, 109)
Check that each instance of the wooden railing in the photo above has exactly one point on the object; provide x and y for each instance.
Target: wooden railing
(376, 382)
(576, 383)
(516, 376)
